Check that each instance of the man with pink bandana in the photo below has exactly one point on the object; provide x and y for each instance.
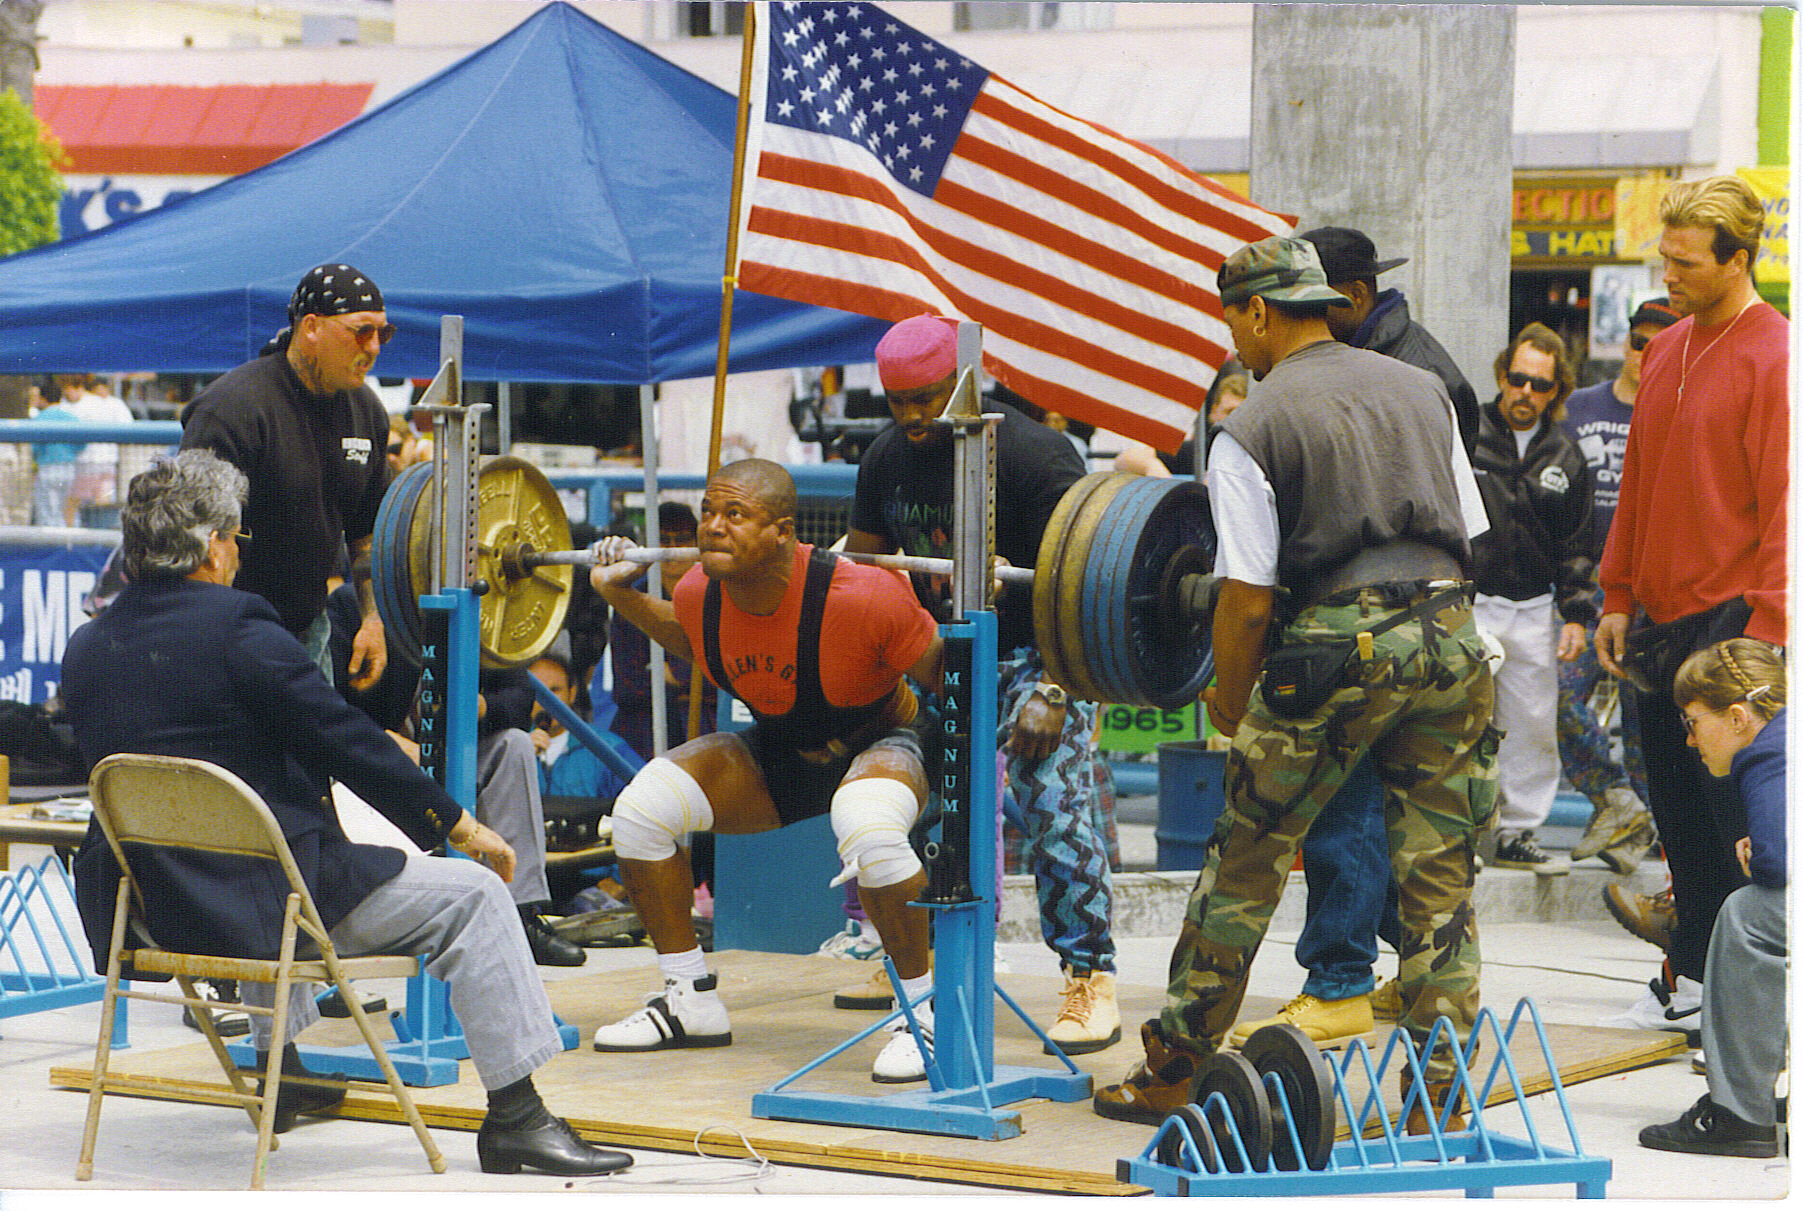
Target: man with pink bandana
(904, 502)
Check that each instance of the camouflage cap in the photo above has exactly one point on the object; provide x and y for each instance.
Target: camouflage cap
(1279, 268)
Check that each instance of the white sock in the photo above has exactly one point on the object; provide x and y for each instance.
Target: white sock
(912, 989)
(689, 965)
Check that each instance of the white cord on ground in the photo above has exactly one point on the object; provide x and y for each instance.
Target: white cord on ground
(746, 1168)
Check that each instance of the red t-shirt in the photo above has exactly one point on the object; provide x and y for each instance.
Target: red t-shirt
(1705, 479)
(872, 632)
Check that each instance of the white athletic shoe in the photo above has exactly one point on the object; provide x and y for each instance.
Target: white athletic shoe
(685, 1014)
(1664, 1008)
(858, 940)
(900, 1060)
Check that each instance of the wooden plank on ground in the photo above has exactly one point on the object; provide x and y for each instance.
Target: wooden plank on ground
(783, 1018)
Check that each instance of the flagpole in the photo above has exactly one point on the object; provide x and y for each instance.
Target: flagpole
(728, 282)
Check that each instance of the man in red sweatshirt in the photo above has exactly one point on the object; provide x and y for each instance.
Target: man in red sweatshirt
(1697, 550)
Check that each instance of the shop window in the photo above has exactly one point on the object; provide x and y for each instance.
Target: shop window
(1012, 14)
(710, 19)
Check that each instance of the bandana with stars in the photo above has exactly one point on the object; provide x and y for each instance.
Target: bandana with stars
(333, 290)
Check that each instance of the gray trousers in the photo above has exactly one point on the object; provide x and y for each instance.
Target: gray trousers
(459, 913)
(508, 801)
(1743, 1003)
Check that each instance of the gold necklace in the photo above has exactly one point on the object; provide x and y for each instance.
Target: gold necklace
(1684, 362)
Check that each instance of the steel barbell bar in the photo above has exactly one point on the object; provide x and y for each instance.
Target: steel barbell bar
(517, 561)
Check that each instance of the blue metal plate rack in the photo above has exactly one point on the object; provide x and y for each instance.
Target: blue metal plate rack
(44, 962)
(1376, 1159)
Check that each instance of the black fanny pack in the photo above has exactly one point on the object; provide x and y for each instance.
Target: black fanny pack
(1655, 651)
(1299, 677)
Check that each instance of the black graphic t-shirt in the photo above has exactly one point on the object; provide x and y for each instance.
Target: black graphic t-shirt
(904, 496)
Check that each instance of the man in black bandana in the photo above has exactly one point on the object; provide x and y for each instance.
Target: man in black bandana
(310, 436)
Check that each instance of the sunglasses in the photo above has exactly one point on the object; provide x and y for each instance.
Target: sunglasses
(397, 448)
(383, 333)
(241, 537)
(1518, 379)
(1638, 341)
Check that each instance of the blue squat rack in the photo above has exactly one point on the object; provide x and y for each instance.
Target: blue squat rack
(1377, 1159)
(967, 1094)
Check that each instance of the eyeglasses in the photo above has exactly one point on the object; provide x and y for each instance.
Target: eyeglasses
(1690, 720)
(361, 333)
(397, 448)
(1638, 341)
(1518, 379)
(241, 537)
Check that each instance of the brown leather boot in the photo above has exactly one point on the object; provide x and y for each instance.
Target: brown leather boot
(1437, 1094)
(1155, 1087)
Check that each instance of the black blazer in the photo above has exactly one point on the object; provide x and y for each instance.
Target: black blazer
(186, 669)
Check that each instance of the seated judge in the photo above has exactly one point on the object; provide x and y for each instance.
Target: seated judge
(182, 664)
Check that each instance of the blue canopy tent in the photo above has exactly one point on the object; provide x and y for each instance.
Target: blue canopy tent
(564, 189)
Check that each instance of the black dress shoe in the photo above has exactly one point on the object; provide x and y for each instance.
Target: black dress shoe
(549, 950)
(546, 1143)
(296, 1099)
(331, 1004)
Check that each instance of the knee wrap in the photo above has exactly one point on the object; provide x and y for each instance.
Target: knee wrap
(661, 805)
(871, 818)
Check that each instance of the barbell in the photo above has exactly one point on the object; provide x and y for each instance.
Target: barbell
(1122, 595)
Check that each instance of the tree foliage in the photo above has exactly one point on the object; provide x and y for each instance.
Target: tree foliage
(30, 184)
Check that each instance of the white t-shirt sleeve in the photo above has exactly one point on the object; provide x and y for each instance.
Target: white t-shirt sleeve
(1245, 514)
(1471, 502)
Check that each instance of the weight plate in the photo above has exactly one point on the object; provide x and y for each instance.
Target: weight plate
(1229, 1074)
(1284, 1052)
(1057, 581)
(520, 617)
(1099, 621)
(1116, 612)
(1166, 675)
(1176, 1151)
(390, 575)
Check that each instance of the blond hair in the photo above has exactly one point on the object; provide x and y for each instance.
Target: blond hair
(1725, 204)
(1734, 670)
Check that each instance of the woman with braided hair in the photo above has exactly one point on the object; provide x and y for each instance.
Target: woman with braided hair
(1732, 696)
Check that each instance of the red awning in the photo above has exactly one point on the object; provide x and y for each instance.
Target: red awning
(216, 130)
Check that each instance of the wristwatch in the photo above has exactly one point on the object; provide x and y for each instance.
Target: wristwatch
(1053, 694)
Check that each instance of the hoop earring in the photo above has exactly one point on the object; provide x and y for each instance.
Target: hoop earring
(1259, 332)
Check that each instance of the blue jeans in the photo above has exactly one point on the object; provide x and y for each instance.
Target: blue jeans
(1351, 889)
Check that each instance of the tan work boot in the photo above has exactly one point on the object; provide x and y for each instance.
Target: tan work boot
(1155, 1087)
(1386, 1001)
(1091, 1018)
(1437, 1094)
(1620, 815)
(1326, 1023)
(873, 992)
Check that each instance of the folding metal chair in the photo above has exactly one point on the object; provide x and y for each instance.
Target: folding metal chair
(177, 803)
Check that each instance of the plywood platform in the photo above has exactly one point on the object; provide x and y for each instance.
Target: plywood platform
(782, 1019)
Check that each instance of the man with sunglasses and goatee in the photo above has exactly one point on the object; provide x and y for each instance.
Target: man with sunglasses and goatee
(311, 437)
(1535, 571)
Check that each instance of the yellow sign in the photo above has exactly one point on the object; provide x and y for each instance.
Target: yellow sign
(1637, 225)
(1773, 187)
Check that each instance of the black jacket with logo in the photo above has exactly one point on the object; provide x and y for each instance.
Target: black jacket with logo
(1541, 508)
(1389, 330)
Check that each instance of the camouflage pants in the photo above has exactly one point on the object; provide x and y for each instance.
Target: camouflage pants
(1421, 707)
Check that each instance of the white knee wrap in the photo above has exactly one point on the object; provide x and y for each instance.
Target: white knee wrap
(871, 818)
(660, 806)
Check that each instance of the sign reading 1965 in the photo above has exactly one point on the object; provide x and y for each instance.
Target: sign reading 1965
(1131, 729)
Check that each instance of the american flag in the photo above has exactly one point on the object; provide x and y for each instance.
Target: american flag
(893, 176)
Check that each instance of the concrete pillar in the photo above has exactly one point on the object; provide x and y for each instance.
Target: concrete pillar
(1397, 120)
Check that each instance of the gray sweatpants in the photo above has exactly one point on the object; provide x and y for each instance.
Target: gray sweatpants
(459, 913)
(508, 801)
(1743, 1003)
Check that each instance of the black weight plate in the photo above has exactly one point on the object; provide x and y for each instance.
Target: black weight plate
(1292, 1057)
(391, 573)
(1174, 1150)
(1167, 676)
(1229, 1074)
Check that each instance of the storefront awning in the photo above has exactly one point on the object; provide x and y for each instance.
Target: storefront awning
(1628, 110)
(217, 130)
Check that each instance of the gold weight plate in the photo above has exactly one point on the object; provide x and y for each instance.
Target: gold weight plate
(516, 504)
(1059, 578)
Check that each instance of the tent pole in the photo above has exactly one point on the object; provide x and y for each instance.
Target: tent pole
(654, 583)
(728, 281)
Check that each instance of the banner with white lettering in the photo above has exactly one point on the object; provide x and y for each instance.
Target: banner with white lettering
(41, 590)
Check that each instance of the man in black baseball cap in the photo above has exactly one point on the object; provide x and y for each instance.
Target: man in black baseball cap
(1379, 320)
